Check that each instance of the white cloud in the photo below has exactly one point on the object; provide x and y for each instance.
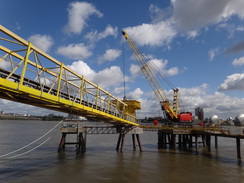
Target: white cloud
(192, 34)
(240, 28)
(135, 70)
(119, 90)
(4, 64)
(158, 14)
(43, 42)
(230, 27)
(191, 14)
(111, 76)
(109, 55)
(212, 53)
(135, 95)
(106, 78)
(233, 82)
(20, 108)
(95, 36)
(160, 65)
(188, 16)
(75, 51)
(172, 71)
(79, 13)
(238, 61)
(191, 98)
(234, 7)
(157, 34)
(83, 69)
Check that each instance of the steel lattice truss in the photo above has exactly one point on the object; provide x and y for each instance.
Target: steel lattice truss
(29, 75)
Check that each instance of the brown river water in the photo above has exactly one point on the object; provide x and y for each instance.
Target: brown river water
(28, 156)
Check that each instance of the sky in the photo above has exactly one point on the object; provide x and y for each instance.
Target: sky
(198, 45)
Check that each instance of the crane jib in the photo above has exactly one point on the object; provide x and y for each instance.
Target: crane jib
(147, 70)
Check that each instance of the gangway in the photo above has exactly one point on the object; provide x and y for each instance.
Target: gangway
(31, 76)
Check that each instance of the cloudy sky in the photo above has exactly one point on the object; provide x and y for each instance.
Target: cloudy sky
(198, 45)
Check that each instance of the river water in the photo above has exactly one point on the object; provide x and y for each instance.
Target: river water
(40, 162)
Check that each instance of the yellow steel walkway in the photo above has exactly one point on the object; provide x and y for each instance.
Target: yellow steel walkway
(30, 76)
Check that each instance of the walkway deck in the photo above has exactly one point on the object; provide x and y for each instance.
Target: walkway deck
(29, 75)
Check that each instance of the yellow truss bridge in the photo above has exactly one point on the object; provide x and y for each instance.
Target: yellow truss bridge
(29, 75)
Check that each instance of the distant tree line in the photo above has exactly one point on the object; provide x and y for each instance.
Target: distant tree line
(52, 117)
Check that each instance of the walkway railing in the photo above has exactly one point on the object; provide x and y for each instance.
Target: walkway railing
(30, 76)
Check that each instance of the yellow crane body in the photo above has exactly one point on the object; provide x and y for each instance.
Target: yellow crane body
(142, 61)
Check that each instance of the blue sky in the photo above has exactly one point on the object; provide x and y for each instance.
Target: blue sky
(198, 44)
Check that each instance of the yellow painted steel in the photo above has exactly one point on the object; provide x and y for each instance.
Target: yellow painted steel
(25, 64)
(29, 75)
(147, 70)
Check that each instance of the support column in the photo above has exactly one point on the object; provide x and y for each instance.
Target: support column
(190, 141)
(196, 141)
(169, 139)
(139, 142)
(164, 141)
(184, 142)
(173, 141)
(179, 140)
(160, 139)
(238, 148)
(208, 142)
(81, 143)
(204, 140)
(134, 142)
(119, 141)
(122, 143)
(216, 142)
(62, 142)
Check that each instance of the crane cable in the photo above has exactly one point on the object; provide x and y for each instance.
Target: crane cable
(124, 68)
(162, 78)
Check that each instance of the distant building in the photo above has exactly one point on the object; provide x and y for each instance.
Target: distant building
(199, 113)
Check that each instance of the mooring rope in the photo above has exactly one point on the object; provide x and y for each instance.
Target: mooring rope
(30, 149)
(31, 143)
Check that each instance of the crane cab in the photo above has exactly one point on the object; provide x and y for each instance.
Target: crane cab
(185, 117)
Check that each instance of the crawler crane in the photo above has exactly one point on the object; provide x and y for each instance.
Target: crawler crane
(171, 110)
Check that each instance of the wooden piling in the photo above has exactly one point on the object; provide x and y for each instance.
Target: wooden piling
(173, 141)
(179, 141)
(184, 142)
(134, 142)
(238, 148)
(164, 141)
(190, 141)
(122, 143)
(139, 142)
(204, 140)
(81, 143)
(160, 140)
(118, 142)
(62, 142)
(196, 141)
(216, 141)
(208, 142)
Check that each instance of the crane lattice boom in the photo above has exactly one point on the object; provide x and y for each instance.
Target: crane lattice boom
(142, 60)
